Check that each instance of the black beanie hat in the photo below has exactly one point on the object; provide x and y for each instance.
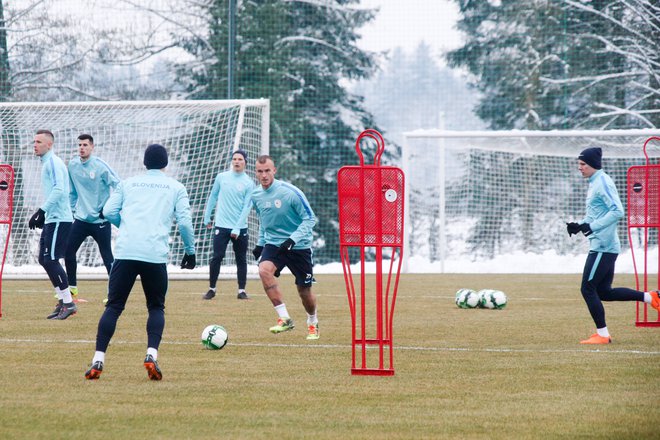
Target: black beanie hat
(155, 157)
(592, 157)
(241, 152)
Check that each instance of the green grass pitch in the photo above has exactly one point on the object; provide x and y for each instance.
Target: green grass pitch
(469, 374)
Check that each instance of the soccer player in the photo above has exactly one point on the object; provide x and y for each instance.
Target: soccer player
(285, 239)
(91, 183)
(143, 207)
(230, 197)
(604, 209)
(55, 217)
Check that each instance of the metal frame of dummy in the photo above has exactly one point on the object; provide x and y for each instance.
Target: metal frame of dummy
(643, 188)
(6, 212)
(371, 216)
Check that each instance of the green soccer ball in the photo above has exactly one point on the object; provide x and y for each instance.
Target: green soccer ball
(466, 298)
(214, 337)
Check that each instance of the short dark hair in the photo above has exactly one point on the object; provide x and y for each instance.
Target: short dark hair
(264, 158)
(47, 133)
(86, 137)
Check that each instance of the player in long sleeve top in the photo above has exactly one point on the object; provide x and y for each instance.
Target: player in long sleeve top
(143, 208)
(230, 198)
(286, 221)
(55, 217)
(92, 181)
(603, 211)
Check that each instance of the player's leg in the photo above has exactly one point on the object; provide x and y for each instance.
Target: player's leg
(240, 246)
(154, 284)
(120, 283)
(102, 235)
(269, 264)
(220, 240)
(77, 235)
(52, 246)
(301, 266)
(598, 269)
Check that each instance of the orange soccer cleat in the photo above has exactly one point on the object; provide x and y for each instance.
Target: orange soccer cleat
(597, 339)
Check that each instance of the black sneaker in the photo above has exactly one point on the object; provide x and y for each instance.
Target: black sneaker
(242, 295)
(151, 365)
(66, 311)
(56, 312)
(209, 295)
(94, 371)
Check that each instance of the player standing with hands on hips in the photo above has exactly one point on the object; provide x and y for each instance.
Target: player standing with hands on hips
(91, 182)
(604, 209)
(230, 197)
(285, 239)
(55, 217)
(143, 207)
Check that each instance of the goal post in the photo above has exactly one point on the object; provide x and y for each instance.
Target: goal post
(200, 137)
(485, 196)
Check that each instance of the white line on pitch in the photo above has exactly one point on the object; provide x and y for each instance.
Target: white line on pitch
(337, 346)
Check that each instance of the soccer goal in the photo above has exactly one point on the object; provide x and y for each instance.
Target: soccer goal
(200, 137)
(499, 201)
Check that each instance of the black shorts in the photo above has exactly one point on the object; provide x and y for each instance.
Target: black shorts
(53, 241)
(299, 262)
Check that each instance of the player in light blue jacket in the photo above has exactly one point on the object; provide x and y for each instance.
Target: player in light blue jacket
(54, 216)
(92, 181)
(230, 197)
(603, 211)
(285, 239)
(144, 207)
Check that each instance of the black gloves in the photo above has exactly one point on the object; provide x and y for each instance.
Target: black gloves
(257, 252)
(285, 246)
(572, 228)
(101, 216)
(188, 262)
(586, 229)
(38, 219)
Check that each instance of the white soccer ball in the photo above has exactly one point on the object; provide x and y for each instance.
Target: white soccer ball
(466, 298)
(485, 299)
(214, 337)
(499, 299)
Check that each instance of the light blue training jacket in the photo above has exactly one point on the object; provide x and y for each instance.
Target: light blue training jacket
(55, 184)
(284, 212)
(604, 209)
(230, 196)
(91, 182)
(143, 207)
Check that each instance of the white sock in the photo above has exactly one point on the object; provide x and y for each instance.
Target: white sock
(153, 352)
(281, 311)
(241, 290)
(212, 288)
(647, 297)
(603, 332)
(64, 295)
(99, 356)
(312, 319)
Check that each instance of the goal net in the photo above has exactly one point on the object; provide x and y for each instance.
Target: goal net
(200, 137)
(498, 202)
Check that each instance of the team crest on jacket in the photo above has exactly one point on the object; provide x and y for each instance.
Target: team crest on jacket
(92, 174)
(278, 203)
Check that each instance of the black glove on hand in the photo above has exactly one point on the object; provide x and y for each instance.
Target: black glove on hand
(586, 229)
(188, 262)
(572, 228)
(101, 216)
(38, 219)
(257, 252)
(285, 246)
